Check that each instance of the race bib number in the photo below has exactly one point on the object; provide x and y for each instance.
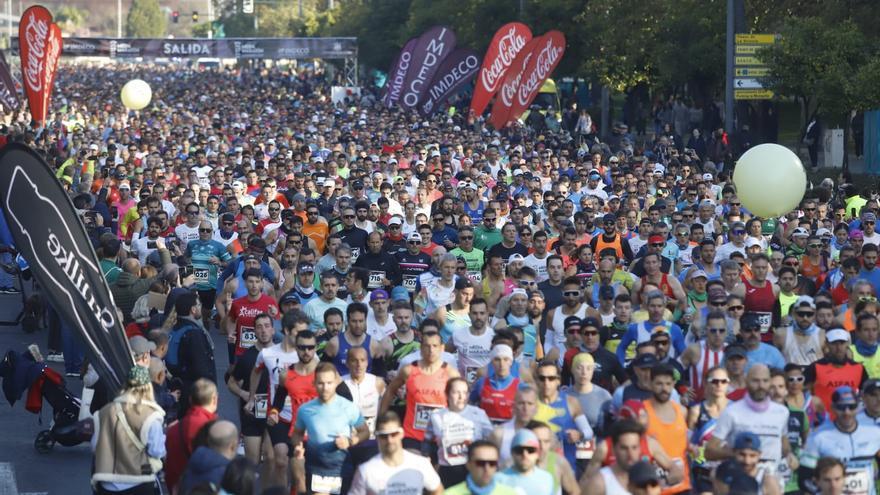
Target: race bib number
(288, 405)
(423, 415)
(326, 484)
(248, 338)
(205, 182)
(456, 451)
(765, 320)
(585, 449)
(202, 275)
(475, 277)
(261, 405)
(376, 279)
(409, 282)
(470, 374)
(856, 483)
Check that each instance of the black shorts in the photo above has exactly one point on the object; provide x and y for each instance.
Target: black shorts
(207, 297)
(280, 433)
(251, 426)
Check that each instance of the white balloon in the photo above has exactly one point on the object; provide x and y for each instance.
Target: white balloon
(136, 94)
(770, 180)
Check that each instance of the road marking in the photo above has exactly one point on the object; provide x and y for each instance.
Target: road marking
(7, 479)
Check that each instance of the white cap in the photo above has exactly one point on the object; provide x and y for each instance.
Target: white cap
(707, 176)
(751, 241)
(435, 153)
(837, 335)
(515, 257)
(415, 236)
(395, 221)
(823, 231)
(238, 185)
(800, 232)
(804, 301)
(517, 172)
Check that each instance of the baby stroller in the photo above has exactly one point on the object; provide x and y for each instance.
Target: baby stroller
(27, 371)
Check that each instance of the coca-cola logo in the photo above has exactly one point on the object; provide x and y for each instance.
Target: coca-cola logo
(52, 54)
(508, 89)
(508, 47)
(36, 33)
(544, 63)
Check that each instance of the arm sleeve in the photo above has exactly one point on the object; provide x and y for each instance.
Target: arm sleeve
(156, 440)
(280, 397)
(627, 339)
(678, 340)
(358, 484)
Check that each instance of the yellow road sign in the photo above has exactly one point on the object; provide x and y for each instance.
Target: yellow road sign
(748, 61)
(759, 39)
(748, 49)
(752, 71)
(752, 94)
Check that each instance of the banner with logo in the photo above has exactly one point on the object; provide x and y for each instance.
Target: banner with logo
(397, 74)
(51, 237)
(9, 97)
(240, 48)
(456, 71)
(546, 56)
(39, 48)
(507, 89)
(431, 49)
(508, 41)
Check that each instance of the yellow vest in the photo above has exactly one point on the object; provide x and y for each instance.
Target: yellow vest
(871, 364)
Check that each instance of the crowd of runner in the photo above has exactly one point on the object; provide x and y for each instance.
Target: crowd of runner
(417, 305)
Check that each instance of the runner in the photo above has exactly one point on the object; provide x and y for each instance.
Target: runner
(240, 320)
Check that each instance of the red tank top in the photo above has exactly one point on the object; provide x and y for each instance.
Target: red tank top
(498, 404)
(829, 377)
(708, 360)
(610, 459)
(759, 299)
(424, 394)
(300, 389)
(663, 285)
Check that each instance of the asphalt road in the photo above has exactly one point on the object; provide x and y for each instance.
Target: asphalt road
(66, 470)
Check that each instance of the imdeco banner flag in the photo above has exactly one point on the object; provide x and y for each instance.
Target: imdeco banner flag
(429, 52)
(456, 71)
(51, 237)
(397, 74)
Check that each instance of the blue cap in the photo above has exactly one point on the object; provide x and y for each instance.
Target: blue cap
(844, 395)
(525, 438)
(399, 294)
(747, 440)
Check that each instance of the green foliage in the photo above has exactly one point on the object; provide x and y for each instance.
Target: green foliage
(829, 66)
(70, 17)
(145, 20)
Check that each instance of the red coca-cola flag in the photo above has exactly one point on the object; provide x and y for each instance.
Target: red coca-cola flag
(507, 89)
(40, 46)
(503, 49)
(545, 57)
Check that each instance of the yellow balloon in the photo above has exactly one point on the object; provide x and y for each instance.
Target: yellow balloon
(136, 94)
(770, 180)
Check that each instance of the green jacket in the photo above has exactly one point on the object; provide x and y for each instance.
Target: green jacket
(110, 270)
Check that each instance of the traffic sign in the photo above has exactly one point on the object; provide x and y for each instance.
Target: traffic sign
(748, 49)
(748, 61)
(751, 71)
(749, 83)
(758, 39)
(752, 94)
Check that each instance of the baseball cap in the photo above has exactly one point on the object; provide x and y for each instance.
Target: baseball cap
(124, 185)
(654, 238)
(647, 360)
(698, 274)
(515, 257)
(609, 218)
(525, 438)
(746, 440)
(642, 474)
(837, 335)
(395, 221)
(707, 176)
(752, 242)
(823, 232)
(463, 283)
(856, 234)
(631, 409)
(870, 217)
(871, 386)
(399, 294)
(591, 321)
(800, 232)
(844, 395)
(289, 297)
(717, 294)
(378, 295)
(305, 268)
(804, 301)
(750, 320)
(735, 350)
(414, 236)
(140, 345)
(572, 321)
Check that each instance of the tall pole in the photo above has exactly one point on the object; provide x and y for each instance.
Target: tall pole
(728, 78)
(119, 18)
(210, 19)
(9, 21)
(300, 9)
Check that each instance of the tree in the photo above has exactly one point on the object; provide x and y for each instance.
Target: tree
(69, 17)
(145, 20)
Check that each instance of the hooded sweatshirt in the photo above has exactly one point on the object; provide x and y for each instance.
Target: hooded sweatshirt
(205, 466)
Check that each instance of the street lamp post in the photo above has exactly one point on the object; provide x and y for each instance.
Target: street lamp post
(119, 18)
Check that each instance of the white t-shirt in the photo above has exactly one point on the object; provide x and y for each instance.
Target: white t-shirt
(473, 351)
(770, 425)
(539, 265)
(274, 359)
(873, 239)
(186, 233)
(454, 431)
(414, 475)
(377, 331)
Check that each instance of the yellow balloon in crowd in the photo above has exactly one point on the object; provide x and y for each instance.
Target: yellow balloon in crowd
(136, 94)
(770, 180)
